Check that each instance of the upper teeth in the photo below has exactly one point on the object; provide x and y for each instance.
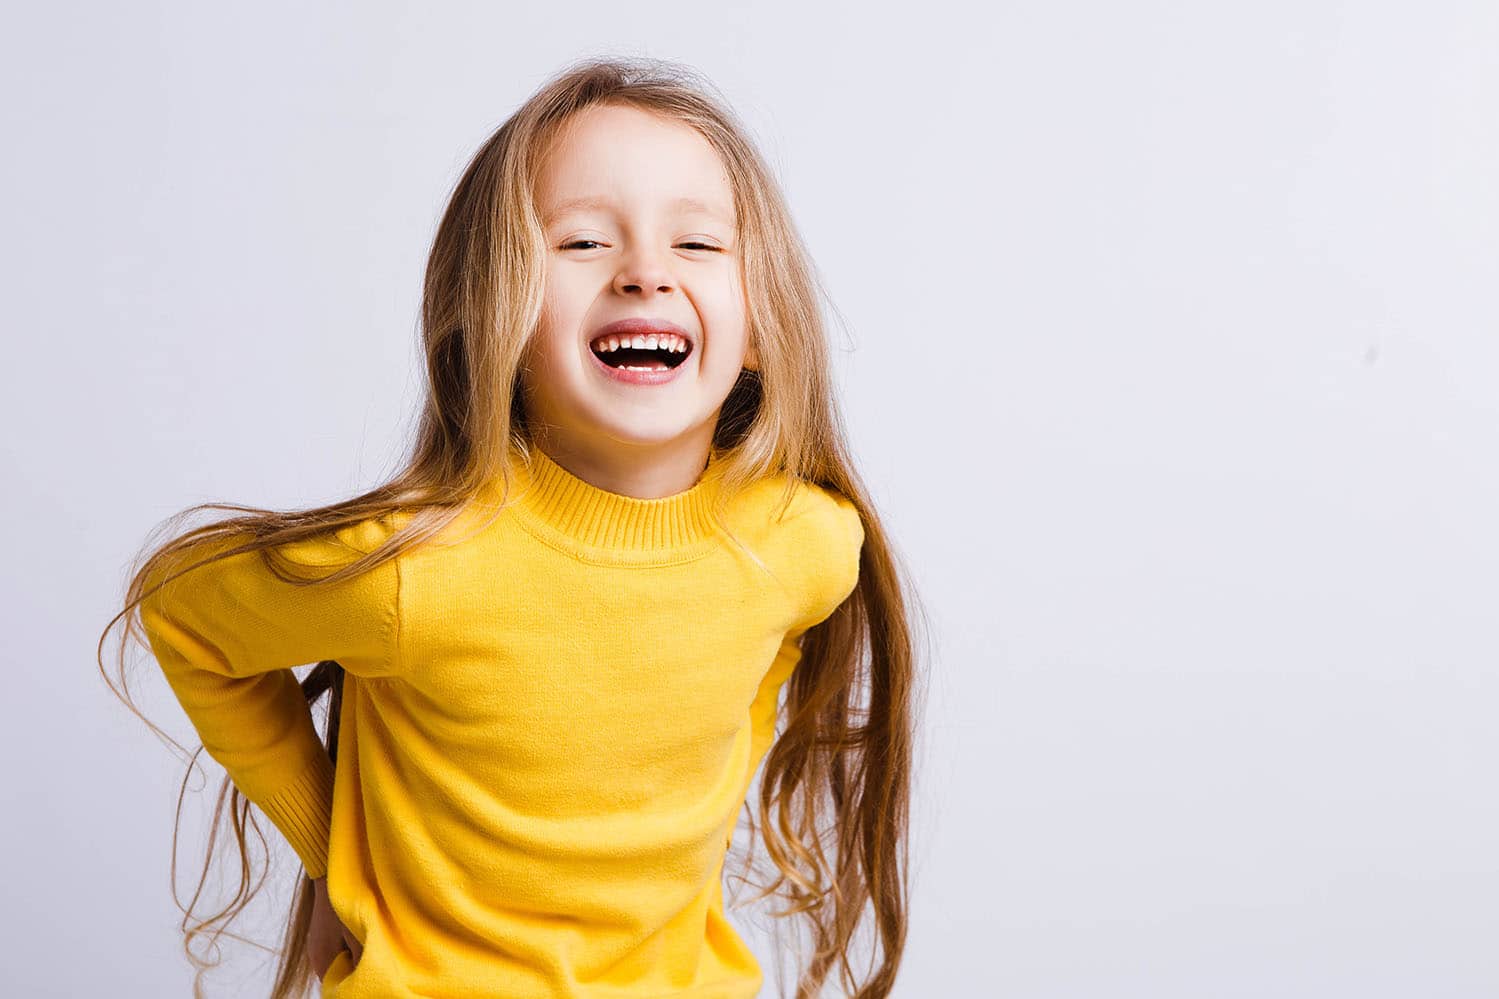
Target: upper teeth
(643, 341)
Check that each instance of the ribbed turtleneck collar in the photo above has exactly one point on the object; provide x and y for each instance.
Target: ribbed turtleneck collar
(599, 525)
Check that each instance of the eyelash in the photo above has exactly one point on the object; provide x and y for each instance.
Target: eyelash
(706, 246)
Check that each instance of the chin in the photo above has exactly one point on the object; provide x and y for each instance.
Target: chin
(646, 436)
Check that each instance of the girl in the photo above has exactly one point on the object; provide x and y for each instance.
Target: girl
(554, 643)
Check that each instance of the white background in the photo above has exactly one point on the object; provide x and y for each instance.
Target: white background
(1169, 348)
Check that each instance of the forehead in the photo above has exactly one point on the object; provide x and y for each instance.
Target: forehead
(619, 159)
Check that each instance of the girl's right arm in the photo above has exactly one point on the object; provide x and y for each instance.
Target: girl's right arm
(226, 635)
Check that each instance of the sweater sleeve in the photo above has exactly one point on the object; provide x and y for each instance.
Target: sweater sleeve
(828, 572)
(226, 635)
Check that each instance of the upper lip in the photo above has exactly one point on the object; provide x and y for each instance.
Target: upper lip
(642, 325)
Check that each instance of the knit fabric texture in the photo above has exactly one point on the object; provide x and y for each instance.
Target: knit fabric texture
(549, 725)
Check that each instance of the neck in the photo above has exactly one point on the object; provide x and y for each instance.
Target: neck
(640, 471)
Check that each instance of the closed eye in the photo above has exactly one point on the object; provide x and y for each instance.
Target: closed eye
(593, 242)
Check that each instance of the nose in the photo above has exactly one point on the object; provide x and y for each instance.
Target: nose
(644, 271)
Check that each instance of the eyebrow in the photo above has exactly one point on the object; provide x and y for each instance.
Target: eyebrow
(592, 201)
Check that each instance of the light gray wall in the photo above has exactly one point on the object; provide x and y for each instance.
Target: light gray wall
(1170, 355)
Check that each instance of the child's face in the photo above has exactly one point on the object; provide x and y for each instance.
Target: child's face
(638, 253)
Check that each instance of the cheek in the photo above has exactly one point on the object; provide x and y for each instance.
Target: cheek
(556, 297)
(546, 351)
(566, 293)
(728, 356)
(727, 292)
(724, 311)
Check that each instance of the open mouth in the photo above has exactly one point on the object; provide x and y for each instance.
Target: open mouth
(663, 357)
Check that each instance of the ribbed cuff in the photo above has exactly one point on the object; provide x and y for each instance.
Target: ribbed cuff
(303, 811)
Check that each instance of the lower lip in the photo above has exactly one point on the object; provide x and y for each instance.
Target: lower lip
(635, 376)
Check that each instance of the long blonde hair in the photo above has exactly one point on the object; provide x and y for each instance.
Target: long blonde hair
(851, 704)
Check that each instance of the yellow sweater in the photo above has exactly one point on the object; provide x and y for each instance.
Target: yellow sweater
(548, 728)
